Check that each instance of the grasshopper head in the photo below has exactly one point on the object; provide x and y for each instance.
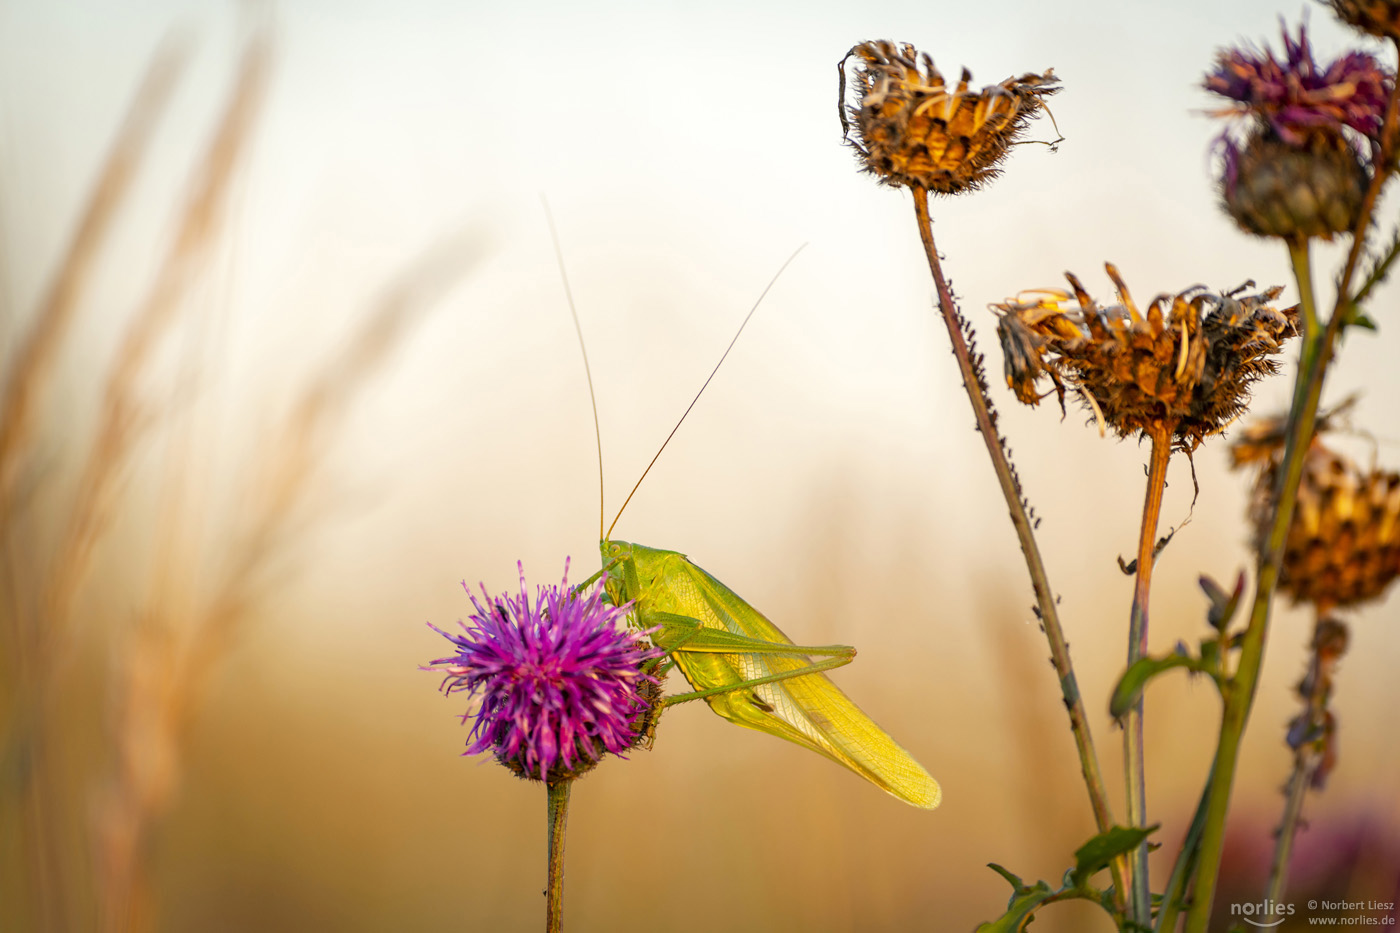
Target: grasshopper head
(619, 570)
(615, 551)
(631, 570)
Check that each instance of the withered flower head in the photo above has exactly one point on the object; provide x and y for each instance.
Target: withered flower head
(1296, 96)
(1378, 17)
(1343, 545)
(1295, 165)
(913, 130)
(1185, 367)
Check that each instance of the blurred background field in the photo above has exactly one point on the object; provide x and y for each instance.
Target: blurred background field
(367, 389)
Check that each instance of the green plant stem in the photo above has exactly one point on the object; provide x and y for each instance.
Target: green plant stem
(1020, 519)
(1134, 757)
(1239, 691)
(1185, 864)
(557, 793)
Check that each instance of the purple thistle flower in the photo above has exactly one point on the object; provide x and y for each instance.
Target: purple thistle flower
(1295, 95)
(560, 682)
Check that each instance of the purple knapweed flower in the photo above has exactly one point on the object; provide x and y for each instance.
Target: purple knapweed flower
(1296, 95)
(560, 681)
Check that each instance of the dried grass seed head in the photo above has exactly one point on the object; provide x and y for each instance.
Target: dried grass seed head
(913, 130)
(1185, 365)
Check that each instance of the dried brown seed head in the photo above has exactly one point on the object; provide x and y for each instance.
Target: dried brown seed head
(913, 130)
(1343, 545)
(1185, 366)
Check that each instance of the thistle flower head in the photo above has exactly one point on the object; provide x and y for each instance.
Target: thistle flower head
(559, 681)
(1291, 165)
(1296, 96)
(1186, 365)
(913, 130)
(1342, 547)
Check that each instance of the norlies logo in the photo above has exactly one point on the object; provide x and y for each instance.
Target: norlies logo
(1270, 913)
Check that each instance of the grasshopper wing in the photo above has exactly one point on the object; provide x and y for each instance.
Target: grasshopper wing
(807, 709)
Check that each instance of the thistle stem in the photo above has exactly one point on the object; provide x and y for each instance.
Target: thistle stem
(1020, 519)
(1239, 691)
(1312, 370)
(558, 803)
(1134, 757)
(1185, 864)
(1305, 764)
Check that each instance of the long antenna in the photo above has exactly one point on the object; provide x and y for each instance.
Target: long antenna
(767, 288)
(587, 372)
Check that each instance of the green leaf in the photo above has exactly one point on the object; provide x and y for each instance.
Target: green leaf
(1093, 856)
(1135, 678)
(1021, 911)
(1015, 880)
(1354, 316)
(1210, 654)
(1363, 320)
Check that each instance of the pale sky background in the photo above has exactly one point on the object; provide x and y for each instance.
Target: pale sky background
(831, 474)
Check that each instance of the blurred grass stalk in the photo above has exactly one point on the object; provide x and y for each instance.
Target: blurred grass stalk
(166, 652)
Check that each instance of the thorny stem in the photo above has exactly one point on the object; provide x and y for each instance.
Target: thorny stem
(558, 802)
(1040, 581)
(1134, 763)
